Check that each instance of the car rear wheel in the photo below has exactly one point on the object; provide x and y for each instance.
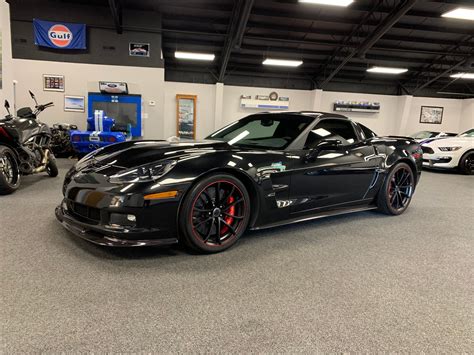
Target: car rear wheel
(466, 164)
(9, 172)
(397, 190)
(215, 213)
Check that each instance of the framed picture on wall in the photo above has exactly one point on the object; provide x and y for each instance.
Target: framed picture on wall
(431, 114)
(74, 103)
(186, 116)
(53, 82)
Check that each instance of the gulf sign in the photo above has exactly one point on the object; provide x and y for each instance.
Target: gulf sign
(59, 35)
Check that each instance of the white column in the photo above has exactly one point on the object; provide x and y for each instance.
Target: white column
(404, 106)
(316, 100)
(218, 107)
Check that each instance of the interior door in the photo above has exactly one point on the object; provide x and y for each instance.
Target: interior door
(336, 175)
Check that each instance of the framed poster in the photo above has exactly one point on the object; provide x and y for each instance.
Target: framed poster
(74, 103)
(431, 114)
(186, 116)
(53, 82)
(139, 49)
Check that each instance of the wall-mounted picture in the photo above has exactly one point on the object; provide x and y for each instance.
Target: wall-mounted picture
(139, 49)
(186, 116)
(74, 103)
(431, 114)
(53, 82)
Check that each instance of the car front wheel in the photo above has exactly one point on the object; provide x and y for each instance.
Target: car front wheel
(397, 190)
(215, 213)
(466, 164)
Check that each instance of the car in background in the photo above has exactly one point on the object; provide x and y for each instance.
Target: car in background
(450, 153)
(423, 136)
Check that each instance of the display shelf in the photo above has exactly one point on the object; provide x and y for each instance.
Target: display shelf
(356, 106)
(265, 104)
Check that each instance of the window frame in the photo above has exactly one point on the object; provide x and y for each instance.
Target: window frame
(299, 143)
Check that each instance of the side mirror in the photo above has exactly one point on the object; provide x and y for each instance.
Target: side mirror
(325, 144)
(7, 105)
(31, 94)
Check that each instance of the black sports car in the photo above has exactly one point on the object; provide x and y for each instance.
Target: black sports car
(262, 171)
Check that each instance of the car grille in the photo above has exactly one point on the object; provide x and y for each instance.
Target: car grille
(427, 150)
(91, 214)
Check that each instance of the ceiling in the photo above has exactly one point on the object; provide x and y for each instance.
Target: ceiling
(336, 44)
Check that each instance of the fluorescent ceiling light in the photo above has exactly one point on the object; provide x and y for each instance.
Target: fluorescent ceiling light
(462, 13)
(386, 70)
(329, 2)
(195, 56)
(282, 62)
(463, 76)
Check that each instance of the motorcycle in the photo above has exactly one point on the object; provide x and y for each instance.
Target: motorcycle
(24, 146)
(61, 140)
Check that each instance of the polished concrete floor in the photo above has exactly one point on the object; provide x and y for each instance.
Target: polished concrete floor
(362, 283)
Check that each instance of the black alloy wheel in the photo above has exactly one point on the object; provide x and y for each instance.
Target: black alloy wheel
(9, 171)
(466, 164)
(216, 213)
(397, 191)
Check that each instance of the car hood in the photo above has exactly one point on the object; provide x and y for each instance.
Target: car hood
(452, 141)
(137, 153)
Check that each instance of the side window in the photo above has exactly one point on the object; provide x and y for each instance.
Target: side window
(367, 132)
(331, 129)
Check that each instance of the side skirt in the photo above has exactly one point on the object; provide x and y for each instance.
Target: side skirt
(317, 216)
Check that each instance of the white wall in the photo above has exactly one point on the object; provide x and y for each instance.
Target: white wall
(467, 115)
(205, 105)
(382, 123)
(299, 100)
(80, 79)
(6, 92)
(451, 115)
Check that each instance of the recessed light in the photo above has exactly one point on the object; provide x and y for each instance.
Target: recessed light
(387, 70)
(328, 2)
(462, 13)
(463, 76)
(194, 56)
(282, 62)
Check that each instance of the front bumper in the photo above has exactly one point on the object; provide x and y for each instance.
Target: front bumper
(444, 160)
(114, 237)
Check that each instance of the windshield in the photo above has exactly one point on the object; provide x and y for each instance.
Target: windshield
(266, 131)
(469, 133)
(424, 134)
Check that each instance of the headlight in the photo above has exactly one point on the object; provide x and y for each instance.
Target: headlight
(144, 173)
(449, 149)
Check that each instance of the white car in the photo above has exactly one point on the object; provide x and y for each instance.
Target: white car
(453, 152)
(422, 136)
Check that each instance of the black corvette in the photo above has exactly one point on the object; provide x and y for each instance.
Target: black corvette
(262, 171)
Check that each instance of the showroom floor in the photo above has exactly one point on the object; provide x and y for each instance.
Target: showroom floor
(363, 282)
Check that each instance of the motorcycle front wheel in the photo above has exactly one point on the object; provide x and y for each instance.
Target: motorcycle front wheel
(9, 171)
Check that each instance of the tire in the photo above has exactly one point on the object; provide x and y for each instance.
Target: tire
(10, 178)
(52, 167)
(397, 190)
(208, 224)
(466, 163)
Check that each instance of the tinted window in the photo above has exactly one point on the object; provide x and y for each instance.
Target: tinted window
(272, 131)
(367, 132)
(331, 129)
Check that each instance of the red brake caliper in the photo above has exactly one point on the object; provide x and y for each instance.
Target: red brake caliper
(229, 219)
